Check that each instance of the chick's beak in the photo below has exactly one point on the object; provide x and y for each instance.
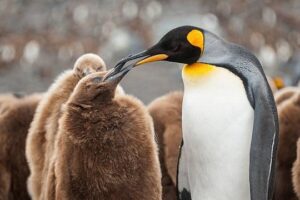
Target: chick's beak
(118, 67)
(145, 57)
(115, 77)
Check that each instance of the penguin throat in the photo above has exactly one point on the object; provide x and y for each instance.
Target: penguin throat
(195, 70)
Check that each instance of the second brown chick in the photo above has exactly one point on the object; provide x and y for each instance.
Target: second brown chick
(166, 114)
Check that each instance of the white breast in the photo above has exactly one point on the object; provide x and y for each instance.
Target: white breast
(217, 130)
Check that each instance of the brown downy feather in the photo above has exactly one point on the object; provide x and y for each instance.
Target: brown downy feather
(284, 94)
(166, 114)
(296, 172)
(7, 101)
(42, 133)
(105, 146)
(14, 125)
(288, 106)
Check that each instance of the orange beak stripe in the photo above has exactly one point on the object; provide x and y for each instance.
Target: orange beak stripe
(154, 58)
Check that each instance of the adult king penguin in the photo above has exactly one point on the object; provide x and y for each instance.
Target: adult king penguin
(230, 123)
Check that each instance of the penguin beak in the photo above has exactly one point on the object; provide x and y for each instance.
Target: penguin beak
(115, 78)
(157, 57)
(145, 57)
(118, 67)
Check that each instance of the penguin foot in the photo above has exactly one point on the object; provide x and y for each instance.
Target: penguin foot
(185, 195)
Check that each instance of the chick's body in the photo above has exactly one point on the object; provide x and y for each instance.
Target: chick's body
(166, 114)
(14, 124)
(105, 147)
(289, 132)
(43, 130)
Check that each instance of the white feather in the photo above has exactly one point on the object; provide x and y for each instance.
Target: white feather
(217, 130)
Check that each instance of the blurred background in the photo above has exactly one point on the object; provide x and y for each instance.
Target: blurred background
(40, 39)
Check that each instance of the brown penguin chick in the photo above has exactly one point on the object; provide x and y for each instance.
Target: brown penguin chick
(105, 147)
(284, 94)
(6, 102)
(49, 179)
(14, 125)
(40, 141)
(166, 115)
(296, 172)
(289, 132)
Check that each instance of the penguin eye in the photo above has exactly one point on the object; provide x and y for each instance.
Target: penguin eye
(99, 68)
(97, 79)
(176, 47)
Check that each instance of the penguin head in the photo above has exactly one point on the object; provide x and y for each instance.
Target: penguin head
(184, 44)
(93, 89)
(87, 64)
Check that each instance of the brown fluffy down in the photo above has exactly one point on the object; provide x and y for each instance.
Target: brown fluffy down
(166, 115)
(284, 94)
(42, 133)
(105, 147)
(6, 102)
(288, 105)
(15, 119)
(296, 172)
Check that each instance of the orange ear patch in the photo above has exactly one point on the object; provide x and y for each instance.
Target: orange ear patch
(196, 38)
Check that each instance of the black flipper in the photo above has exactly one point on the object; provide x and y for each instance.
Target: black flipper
(263, 145)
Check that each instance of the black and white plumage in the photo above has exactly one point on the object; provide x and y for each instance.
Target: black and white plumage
(230, 125)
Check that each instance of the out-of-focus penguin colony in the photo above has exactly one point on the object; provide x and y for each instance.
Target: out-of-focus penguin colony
(43, 154)
(39, 39)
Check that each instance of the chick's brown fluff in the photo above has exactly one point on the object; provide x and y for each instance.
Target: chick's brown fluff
(166, 114)
(6, 102)
(284, 94)
(15, 118)
(288, 105)
(42, 133)
(296, 172)
(105, 146)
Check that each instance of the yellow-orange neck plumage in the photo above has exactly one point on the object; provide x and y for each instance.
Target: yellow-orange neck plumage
(197, 70)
